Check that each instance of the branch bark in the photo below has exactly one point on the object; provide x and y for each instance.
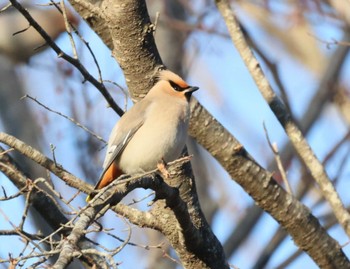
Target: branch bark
(43, 204)
(75, 62)
(179, 218)
(321, 98)
(299, 142)
(134, 48)
(129, 27)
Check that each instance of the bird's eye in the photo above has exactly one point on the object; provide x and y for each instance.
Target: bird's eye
(175, 86)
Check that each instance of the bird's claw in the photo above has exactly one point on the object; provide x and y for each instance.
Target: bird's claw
(162, 169)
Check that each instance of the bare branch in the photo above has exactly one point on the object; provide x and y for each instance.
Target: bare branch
(66, 117)
(75, 62)
(41, 159)
(113, 193)
(274, 149)
(141, 52)
(305, 152)
(68, 29)
(321, 98)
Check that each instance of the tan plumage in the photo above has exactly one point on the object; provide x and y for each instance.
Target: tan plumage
(153, 130)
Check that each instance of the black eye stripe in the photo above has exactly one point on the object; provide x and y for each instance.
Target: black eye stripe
(176, 87)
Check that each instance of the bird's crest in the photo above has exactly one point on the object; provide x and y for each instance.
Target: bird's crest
(172, 77)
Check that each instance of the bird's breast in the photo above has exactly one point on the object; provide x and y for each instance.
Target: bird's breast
(162, 136)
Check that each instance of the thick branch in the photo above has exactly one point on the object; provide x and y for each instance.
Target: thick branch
(41, 159)
(322, 97)
(191, 231)
(241, 160)
(299, 142)
(305, 229)
(182, 221)
(124, 20)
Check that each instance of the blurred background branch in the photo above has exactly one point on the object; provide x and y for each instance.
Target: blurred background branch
(302, 47)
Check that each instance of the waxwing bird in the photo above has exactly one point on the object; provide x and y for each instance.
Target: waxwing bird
(153, 130)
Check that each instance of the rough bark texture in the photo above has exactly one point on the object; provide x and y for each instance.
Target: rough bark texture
(131, 31)
(179, 218)
(127, 24)
(278, 108)
(196, 239)
(304, 228)
(321, 98)
(170, 44)
(129, 20)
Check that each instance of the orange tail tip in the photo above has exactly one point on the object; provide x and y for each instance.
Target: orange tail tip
(108, 176)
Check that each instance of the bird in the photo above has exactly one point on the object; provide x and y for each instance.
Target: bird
(152, 132)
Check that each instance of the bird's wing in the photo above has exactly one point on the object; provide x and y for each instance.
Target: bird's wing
(115, 149)
(123, 132)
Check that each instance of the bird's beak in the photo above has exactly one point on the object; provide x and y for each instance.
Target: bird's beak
(188, 92)
(192, 89)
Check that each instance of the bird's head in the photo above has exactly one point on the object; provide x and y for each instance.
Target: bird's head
(172, 84)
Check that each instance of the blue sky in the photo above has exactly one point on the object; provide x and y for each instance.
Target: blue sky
(228, 92)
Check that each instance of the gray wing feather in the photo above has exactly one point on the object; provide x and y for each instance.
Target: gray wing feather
(116, 149)
(123, 132)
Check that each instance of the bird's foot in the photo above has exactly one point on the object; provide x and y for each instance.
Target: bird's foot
(162, 169)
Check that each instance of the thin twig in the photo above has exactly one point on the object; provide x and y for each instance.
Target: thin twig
(5, 7)
(53, 148)
(117, 250)
(19, 231)
(298, 140)
(75, 62)
(340, 143)
(6, 198)
(68, 29)
(85, 43)
(334, 42)
(57, 194)
(147, 247)
(26, 208)
(15, 232)
(6, 151)
(274, 149)
(126, 95)
(66, 117)
(155, 24)
(34, 255)
(135, 201)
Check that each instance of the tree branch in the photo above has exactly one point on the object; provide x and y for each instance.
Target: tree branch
(240, 166)
(75, 62)
(182, 221)
(192, 236)
(321, 98)
(133, 46)
(299, 142)
(42, 160)
(43, 203)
